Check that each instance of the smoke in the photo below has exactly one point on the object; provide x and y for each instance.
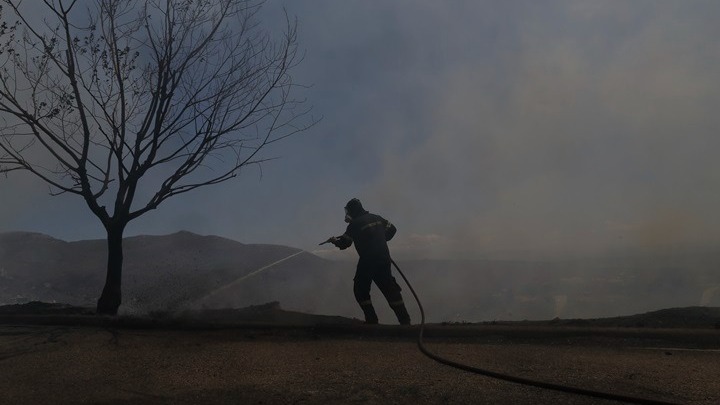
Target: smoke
(560, 303)
(709, 294)
(480, 129)
(574, 139)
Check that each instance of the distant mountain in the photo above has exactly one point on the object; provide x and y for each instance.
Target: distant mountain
(162, 273)
(685, 318)
(188, 271)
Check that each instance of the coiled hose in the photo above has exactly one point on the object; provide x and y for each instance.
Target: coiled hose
(519, 380)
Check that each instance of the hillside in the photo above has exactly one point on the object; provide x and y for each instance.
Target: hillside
(188, 271)
(272, 314)
(684, 318)
(161, 273)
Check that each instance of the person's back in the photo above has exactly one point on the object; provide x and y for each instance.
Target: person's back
(370, 233)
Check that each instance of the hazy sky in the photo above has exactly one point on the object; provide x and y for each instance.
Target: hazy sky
(480, 128)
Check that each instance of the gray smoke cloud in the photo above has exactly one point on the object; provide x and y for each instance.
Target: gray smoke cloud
(481, 129)
(579, 127)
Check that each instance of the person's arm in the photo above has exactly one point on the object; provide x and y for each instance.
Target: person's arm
(343, 241)
(389, 230)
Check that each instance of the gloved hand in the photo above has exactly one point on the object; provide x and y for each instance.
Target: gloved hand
(332, 239)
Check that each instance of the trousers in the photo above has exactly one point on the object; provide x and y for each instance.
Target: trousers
(378, 271)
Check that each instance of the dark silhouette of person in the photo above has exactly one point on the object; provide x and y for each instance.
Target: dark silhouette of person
(370, 233)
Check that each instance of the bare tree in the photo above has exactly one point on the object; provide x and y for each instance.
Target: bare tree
(127, 103)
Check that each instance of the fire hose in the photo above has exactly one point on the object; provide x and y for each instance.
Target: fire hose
(515, 379)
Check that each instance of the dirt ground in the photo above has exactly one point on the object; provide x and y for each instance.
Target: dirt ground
(357, 365)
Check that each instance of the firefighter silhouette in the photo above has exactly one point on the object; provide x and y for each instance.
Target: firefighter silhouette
(370, 233)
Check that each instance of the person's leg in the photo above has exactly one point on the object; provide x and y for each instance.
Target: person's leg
(391, 290)
(361, 289)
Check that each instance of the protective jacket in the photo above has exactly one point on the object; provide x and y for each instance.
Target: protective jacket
(370, 233)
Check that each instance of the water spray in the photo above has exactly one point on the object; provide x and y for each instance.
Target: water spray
(245, 277)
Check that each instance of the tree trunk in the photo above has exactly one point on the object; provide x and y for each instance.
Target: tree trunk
(111, 297)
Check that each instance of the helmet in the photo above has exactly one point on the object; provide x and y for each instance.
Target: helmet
(353, 209)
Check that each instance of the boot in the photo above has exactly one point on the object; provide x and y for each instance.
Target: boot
(401, 312)
(370, 315)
